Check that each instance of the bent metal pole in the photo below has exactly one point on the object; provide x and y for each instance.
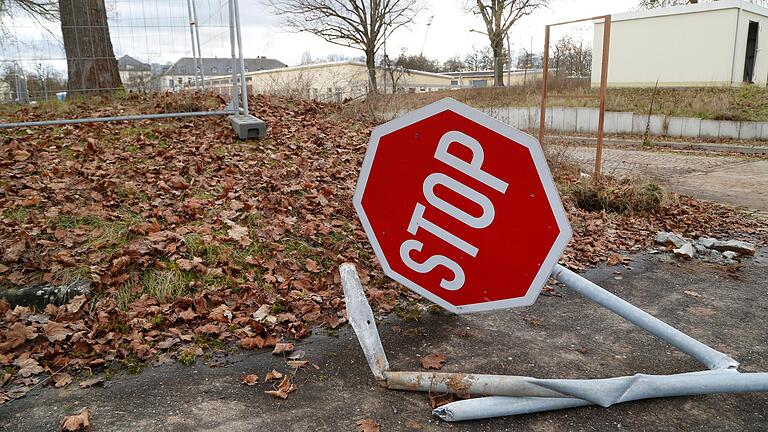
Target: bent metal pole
(708, 356)
(619, 390)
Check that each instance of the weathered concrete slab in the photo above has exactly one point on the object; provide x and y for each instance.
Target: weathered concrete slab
(585, 118)
(569, 120)
(611, 122)
(764, 133)
(691, 127)
(675, 126)
(749, 130)
(624, 122)
(558, 119)
(638, 123)
(729, 129)
(657, 124)
(710, 128)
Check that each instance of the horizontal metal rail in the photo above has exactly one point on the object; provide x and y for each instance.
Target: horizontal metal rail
(116, 118)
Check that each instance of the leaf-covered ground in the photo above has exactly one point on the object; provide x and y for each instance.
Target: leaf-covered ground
(195, 241)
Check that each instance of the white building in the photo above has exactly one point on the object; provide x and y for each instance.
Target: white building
(336, 81)
(707, 44)
(135, 75)
(182, 74)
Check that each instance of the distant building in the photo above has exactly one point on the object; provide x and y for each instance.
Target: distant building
(135, 75)
(479, 79)
(336, 81)
(706, 44)
(182, 74)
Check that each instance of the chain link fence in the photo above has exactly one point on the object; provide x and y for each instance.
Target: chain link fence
(150, 50)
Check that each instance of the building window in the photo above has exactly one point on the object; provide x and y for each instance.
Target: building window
(180, 80)
(454, 82)
(170, 83)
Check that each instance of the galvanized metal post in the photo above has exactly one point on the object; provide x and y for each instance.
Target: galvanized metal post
(199, 51)
(708, 356)
(192, 25)
(234, 90)
(243, 84)
(544, 82)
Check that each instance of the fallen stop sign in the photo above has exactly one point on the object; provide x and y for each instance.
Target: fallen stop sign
(461, 208)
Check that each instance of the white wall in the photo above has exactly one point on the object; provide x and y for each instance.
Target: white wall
(690, 49)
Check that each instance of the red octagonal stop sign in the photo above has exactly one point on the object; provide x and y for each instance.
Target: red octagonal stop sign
(461, 208)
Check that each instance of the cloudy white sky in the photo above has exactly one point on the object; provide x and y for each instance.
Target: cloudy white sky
(157, 31)
(448, 35)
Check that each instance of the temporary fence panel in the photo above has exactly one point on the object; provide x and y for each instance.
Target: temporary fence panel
(156, 47)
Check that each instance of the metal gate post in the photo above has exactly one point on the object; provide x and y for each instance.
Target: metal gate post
(246, 125)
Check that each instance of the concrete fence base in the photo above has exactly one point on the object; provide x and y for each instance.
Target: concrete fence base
(585, 120)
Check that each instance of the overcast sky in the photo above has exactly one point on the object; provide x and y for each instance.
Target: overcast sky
(157, 31)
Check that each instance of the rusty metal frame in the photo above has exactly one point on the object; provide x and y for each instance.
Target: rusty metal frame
(603, 85)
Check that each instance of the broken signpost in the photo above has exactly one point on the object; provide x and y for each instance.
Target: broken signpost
(462, 209)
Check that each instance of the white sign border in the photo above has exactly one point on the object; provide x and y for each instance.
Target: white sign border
(537, 154)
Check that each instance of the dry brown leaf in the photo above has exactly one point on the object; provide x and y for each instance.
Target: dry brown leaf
(273, 375)
(282, 390)
(76, 303)
(188, 315)
(312, 266)
(16, 336)
(367, 425)
(28, 366)
(282, 348)
(61, 380)
(433, 361)
(249, 379)
(297, 364)
(91, 382)
(76, 422)
(56, 331)
(252, 342)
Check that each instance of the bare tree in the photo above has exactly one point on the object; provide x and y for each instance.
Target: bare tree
(361, 24)
(499, 16)
(91, 62)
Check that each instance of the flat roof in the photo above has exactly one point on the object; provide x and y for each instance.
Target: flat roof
(342, 63)
(691, 8)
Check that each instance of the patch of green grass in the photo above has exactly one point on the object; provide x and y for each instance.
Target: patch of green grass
(208, 342)
(210, 252)
(67, 221)
(118, 326)
(125, 295)
(157, 321)
(132, 364)
(71, 274)
(278, 307)
(408, 313)
(186, 357)
(17, 214)
(166, 284)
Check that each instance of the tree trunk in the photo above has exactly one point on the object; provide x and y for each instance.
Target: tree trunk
(370, 63)
(498, 62)
(91, 63)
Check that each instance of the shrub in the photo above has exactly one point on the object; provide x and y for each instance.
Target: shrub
(631, 196)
